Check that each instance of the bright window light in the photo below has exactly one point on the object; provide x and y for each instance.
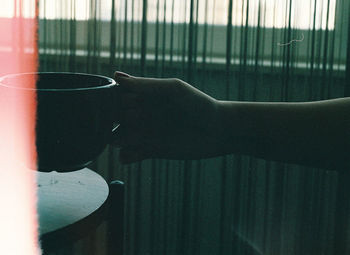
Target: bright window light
(275, 13)
(17, 8)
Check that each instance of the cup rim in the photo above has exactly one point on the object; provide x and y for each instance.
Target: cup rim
(111, 82)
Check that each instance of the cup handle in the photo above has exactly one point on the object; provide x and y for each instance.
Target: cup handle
(116, 104)
(115, 127)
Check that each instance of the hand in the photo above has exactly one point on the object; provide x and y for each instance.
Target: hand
(165, 118)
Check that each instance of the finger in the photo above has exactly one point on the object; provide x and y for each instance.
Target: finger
(131, 100)
(120, 74)
(139, 84)
(116, 140)
(132, 118)
(129, 137)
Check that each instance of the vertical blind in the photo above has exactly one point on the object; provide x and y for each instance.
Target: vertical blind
(251, 50)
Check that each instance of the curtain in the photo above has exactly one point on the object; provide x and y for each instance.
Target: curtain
(247, 50)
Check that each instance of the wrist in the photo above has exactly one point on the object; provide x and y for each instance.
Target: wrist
(226, 114)
(235, 130)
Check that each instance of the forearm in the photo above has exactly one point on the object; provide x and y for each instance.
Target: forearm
(314, 133)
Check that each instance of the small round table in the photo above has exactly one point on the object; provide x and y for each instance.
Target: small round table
(70, 206)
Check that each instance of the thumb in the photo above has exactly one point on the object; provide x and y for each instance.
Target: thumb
(129, 83)
(118, 74)
(122, 78)
(139, 84)
(125, 81)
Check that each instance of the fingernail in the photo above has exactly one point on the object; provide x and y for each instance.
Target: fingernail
(118, 74)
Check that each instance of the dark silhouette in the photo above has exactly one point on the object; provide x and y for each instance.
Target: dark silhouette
(168, 118)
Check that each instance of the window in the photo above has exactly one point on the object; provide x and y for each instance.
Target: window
(172, 16)
(17, 8)
(276, 13)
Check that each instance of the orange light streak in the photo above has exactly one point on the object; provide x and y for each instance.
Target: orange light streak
(18, 217)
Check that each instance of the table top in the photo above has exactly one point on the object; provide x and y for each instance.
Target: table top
(67, 202)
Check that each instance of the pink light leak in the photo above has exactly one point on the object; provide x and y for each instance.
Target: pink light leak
(18, 54)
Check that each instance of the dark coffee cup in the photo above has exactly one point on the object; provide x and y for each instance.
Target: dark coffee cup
(76, 115)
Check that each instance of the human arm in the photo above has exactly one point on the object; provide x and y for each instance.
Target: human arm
(168, 118)
(314, 134)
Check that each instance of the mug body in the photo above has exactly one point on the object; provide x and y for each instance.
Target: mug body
(74, 117)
